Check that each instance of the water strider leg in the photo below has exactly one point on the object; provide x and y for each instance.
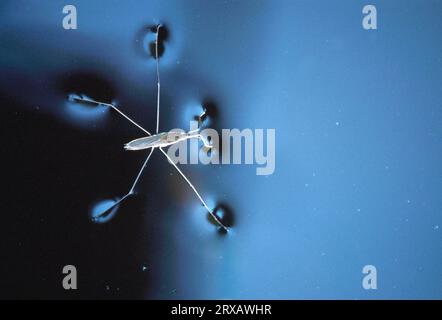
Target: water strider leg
(131, 191)
(98, 103)
(218, 221)
(205, 141)
(157, 58)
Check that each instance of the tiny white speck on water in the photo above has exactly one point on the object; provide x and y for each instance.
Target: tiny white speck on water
(144, 268)
(337, 123)
(436, 227)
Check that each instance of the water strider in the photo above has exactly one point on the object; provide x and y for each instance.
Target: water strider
(159, 140)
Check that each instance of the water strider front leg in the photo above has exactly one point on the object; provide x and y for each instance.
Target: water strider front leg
(206, 142)
(157, 58)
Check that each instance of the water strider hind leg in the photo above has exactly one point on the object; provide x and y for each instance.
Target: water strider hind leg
(214, 216)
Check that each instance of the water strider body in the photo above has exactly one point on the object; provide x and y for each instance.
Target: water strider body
(164, 139)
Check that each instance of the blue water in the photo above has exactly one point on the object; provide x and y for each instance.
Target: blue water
(358, 126)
